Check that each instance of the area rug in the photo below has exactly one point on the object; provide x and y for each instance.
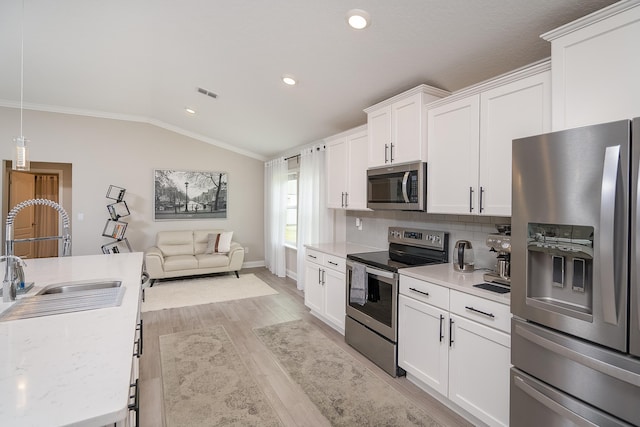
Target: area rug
(205, 383)
(345, 392)
(204, 290)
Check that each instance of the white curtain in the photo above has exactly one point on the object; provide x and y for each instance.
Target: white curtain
(315, 220)
(275, 191)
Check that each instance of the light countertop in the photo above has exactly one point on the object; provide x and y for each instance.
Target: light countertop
(74, 368)
(445, 275)
(341, 249)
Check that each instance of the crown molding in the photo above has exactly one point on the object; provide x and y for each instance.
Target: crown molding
(590, 19)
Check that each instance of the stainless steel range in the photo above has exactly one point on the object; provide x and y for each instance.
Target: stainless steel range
(372, 291)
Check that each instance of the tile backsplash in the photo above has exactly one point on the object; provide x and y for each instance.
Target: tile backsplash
(475, 229)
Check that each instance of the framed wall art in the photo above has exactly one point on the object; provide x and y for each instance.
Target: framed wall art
(189, 195)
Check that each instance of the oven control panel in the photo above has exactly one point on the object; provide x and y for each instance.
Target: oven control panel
(417, 237)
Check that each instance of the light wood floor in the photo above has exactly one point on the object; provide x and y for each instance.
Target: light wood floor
(239, 318)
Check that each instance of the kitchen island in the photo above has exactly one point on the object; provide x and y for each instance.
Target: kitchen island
(73, 368)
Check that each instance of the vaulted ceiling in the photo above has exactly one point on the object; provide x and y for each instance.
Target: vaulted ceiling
(144, 59)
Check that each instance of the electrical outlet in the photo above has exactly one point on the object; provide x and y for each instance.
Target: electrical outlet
(246, 249)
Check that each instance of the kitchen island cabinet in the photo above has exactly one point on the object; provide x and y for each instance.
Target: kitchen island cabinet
(74, 368)
(469, 141)
(455, 344)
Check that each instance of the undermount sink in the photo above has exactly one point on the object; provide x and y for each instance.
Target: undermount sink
(61, 288)
(68, 297)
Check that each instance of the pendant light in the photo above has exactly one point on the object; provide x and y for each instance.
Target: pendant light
(21, 157)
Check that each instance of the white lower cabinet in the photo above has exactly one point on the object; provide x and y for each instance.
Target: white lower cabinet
(479, 363)
(458, 345)
(325, 288)
(423, 349)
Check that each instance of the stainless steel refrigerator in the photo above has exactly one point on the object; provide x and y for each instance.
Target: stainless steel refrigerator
(575, 273)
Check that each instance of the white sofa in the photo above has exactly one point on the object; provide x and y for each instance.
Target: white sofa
(182, 253)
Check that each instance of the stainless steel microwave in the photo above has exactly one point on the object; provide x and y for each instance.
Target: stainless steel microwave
(398, 187)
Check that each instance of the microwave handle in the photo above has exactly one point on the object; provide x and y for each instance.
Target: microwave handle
(405, 179)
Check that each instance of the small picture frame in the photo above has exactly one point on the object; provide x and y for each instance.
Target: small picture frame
(116, 193)
(118, 210)
(117, 247)
(114, 229)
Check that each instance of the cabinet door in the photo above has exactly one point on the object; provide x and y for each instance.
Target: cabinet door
(515, 110)
(406, 130)
(423, 342)
(336, 167)
(479, 363)
(379, 131)
(453, 141)
(335, 297)
(595, 72)
(358, 146)
(313, 292)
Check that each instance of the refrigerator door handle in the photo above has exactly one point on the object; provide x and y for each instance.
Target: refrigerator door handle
(590, 362)
(551, 404)
(607, 233)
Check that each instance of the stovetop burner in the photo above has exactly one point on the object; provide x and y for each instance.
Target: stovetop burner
(408, 248)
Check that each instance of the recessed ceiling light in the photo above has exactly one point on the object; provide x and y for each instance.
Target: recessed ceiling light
(190, 110)
(289, 80)
(358, 19)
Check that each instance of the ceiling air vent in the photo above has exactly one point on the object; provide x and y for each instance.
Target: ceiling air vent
(207, 92)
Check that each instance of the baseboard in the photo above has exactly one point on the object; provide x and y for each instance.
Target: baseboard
(252, 264)
(292, 274)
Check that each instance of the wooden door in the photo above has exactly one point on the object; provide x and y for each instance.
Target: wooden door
(23, 187)
(34, 221)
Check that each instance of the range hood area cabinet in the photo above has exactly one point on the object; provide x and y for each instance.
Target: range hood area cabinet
(595, 70)
(469, 140)
(397, 126)
(347, 169)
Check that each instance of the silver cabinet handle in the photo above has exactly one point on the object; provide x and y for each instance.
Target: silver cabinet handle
(386, 158)
(484, 313)
(607, 233)
(470, 199)
(441, 330)
(391, 151)
(550, 403)
(346, 199)
(333, 263)
(481, 194)
(451, 332)
(312, 256)
(324, 277)
(319, 276)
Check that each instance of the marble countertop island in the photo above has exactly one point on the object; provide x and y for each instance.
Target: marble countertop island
(74, 368)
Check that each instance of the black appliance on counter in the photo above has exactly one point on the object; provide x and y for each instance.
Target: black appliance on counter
(371, 324)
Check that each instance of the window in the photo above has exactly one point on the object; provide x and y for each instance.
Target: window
(291, 228)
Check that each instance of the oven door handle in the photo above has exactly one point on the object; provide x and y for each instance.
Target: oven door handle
(375, 271)
(380, 273)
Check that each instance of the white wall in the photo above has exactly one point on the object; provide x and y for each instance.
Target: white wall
(104, 152)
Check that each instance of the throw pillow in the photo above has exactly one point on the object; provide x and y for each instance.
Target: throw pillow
(219, 243)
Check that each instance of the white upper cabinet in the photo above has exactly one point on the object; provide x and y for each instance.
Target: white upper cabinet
(470, 136)
(453, 156)
(397, 128)
(595, 67)
(346, 169)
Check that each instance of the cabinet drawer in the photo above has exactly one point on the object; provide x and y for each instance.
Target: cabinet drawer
(481, 310)
(334, 263)
(425, 291)
(314, 256)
